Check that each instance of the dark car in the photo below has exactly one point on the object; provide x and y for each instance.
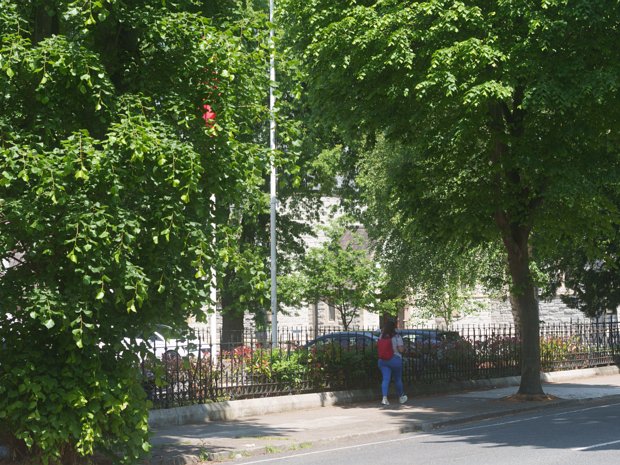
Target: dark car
(348, 340)
(426, 336)
(429, 336)
(425, 348)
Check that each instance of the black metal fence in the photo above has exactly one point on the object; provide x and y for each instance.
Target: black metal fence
(203, 370)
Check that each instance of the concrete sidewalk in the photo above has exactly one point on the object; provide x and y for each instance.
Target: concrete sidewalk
(302, 423)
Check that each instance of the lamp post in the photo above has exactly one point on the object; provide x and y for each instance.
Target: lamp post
(215, 347)
(273, 179)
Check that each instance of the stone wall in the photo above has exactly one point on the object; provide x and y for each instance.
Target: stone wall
(498, 312)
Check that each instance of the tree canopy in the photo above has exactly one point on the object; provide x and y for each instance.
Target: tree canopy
(124, 125)
(591, 278)
(500, 122)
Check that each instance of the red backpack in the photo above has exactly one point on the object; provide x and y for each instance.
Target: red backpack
(385, 348)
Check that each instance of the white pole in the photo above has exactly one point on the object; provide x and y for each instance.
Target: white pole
(213, 294)
(273, 198)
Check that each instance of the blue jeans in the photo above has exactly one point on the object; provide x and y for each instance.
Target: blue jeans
(392, 367)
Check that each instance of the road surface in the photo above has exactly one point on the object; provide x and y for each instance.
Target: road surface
(587, 434)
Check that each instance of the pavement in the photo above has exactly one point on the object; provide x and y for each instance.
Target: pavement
(298, 422)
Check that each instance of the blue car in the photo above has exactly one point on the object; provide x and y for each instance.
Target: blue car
(347, 340)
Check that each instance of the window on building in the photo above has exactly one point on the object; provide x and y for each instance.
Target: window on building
(331, 312)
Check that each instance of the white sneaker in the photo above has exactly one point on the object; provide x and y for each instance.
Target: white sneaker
(402, 399)
(385, 401)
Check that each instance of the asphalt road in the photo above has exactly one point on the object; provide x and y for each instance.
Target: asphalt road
(587, 434)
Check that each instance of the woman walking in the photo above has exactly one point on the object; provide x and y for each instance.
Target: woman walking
(391, 347)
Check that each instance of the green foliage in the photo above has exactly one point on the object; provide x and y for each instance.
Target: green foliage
(111, 183)
(500, 122)
(284, 368)
(289, 368)
(562, 352)
(447, 302)
(589, 268)
(244, 281)
(341, 273)
(334, 367)
(556, 353)
(416, 259)
(449, 358)
(430, 76)
(498, 351)
(73, 403)
(282, 371)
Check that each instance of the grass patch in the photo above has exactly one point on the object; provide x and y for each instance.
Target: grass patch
(273, 449)
(302, 445)
(204, 455)
(238, 454)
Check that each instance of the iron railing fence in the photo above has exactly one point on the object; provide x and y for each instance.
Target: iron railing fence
(579, 345)
(200, 369)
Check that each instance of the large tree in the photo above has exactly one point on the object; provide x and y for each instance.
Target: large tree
(501, 120)
(124, 126)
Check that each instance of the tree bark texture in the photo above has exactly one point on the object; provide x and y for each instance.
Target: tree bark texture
(523, 295)
(45, 23)
(232, 321)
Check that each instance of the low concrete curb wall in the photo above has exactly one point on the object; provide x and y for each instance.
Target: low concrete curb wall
(561, 376)
(237, 409)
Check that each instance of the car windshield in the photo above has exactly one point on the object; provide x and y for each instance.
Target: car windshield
(426, 335)
(156, 337)
(451, 336)
(163, 332)
(345, 340)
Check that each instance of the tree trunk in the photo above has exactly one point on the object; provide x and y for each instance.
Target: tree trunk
(232, 330)
(514, 309)
(523, 295)
(45, 23)
(232, 321)
(515, 231)
(342, 309)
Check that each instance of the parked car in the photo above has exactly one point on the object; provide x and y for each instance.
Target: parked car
(432, 348)
(348, 340)
(426, 336)
(429, 336)
(167, 344)
(438, 349)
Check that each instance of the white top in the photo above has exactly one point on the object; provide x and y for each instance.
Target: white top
(397, 341)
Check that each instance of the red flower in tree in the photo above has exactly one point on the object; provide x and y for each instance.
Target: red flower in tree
(209, 116)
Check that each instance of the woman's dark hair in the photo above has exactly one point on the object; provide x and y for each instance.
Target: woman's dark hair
(389, 328)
